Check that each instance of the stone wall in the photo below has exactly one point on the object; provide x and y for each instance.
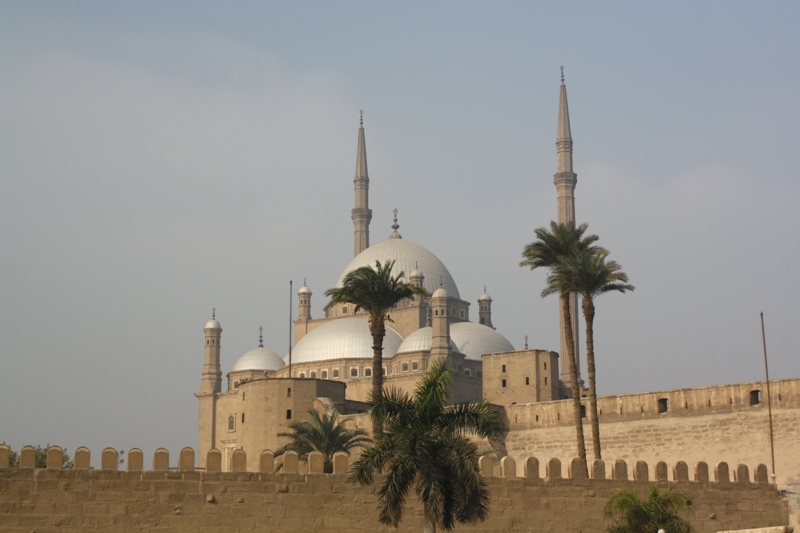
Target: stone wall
(185, 499)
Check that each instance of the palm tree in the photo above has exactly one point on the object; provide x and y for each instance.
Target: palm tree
(325, 434)
(425, 445)
(548, 251)
(630, 514)
(376, 291)
(589, 274)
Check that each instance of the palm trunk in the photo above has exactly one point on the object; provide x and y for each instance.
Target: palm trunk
(378, 330)
(588, 314)
(575, 386)
(430, 524)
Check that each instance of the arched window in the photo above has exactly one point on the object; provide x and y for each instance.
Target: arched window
(313, 375)
(414, 366)
(324, 374)
(353, 372)
(302, 374)
(367, 372)
(336, 372)
(405, 367)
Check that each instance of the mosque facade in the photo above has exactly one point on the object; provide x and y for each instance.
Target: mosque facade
(330, 365)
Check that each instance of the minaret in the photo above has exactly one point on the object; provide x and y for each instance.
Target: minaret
(440, 334)
(416, 277)
(303, 312)
(485, 309)
(361, 213)
(212, 375)
(565, 180)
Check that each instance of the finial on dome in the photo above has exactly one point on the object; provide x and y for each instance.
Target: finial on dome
(361, 121)
(395, 227)
(260, 337)
(213, 313)
(440, 282)
(484, 288)
(526, 342)
(416, 265)
(304, 282)
(562, 75)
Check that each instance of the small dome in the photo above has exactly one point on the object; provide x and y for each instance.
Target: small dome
(440, 293)
(485, 297)
(475, 340)
(259, 359)
(304, 290)
(343, 338)
(421, 340)
(416, 274)
(408, 256)
(213, 324)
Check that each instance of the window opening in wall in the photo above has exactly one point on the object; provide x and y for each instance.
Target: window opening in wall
(558, 415)
(755, 397)
(414, 366)
(600, 412)
(344, 310)
(289, 392)
(208, 342)
(545, 366)
(685, 405)
(462, 314)
(313, 375)
(730, 401)
(779, 397)
(243, 393)
(231, 423)
(405, 367)
(288, 414)
(467, 372)
(642, 408)
(583, 411)
(235, 384)
(527, 381)
(383, 371)
(504, 383)
(480, 373)
(336, 373)
(709, 403)
(663, 405)
(545, 380)
(302, 374)
(353, 372)
(242, 418)
(367, 372)
(504, 368)
(537, 418)
(324, 374)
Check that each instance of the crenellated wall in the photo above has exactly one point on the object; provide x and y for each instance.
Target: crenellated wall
(188, 499)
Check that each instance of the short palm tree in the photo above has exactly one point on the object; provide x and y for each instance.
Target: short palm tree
(631, 514)
(424, 444)
(376, 291)
(588, 273)
(548, 251)
(324, 434)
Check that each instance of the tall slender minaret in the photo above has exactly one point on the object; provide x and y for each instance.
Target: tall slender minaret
(212, 375)
(565, 180)
(361, 213)
(440, 331)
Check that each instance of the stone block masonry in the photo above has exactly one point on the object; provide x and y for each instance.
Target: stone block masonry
(187, 499)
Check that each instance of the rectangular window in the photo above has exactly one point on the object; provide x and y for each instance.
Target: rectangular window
(344, 310)
(545, 381)
(527, 381)
(289, 392)
(545, 366)
(755, 397)
(288, 414)
(242, 418)
(663, 405)
(504, 368)
(353, 372)
(504, 383)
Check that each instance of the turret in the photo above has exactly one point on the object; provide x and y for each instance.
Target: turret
(212, 375)
(440, 334)
(416, 277)
(565, 180)
(485, 309)
(304, 303)
(361, 213)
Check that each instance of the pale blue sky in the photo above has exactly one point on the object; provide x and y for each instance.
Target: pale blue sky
(158, 159)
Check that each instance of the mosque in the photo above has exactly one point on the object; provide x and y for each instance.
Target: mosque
(331, 362)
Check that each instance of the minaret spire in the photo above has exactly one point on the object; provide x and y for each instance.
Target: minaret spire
(361, 213)
(565, 180)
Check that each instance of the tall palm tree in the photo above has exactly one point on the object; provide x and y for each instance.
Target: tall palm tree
(589, 274)
(376, 291)
(425, 445)
(548, 251)
(631, 514)
(324, 434)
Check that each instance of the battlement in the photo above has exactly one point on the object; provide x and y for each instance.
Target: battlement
(182, 497)
(341, 463)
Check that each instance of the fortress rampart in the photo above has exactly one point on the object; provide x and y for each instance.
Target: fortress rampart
(188, 499)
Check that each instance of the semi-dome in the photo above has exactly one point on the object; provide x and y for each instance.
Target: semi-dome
(343, 338)
(259, 359)
(408, 256)
(475, 340)
(421, 340)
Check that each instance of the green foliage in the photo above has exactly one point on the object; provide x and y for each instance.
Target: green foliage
(40, 458)
(325, 434)
(631, 514)
(587, 272)
(424, 444)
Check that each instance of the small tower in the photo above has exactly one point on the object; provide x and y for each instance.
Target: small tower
(304, 302)
(212, 375)
(565, 180)
(440, 334)
(361, 213)
(416, 277)
(485, 308)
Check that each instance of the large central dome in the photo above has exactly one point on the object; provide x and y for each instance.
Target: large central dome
(408, 256)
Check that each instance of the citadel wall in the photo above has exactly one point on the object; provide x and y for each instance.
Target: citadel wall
(186, 499)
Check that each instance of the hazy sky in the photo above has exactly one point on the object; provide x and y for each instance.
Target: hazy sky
(158, 159)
